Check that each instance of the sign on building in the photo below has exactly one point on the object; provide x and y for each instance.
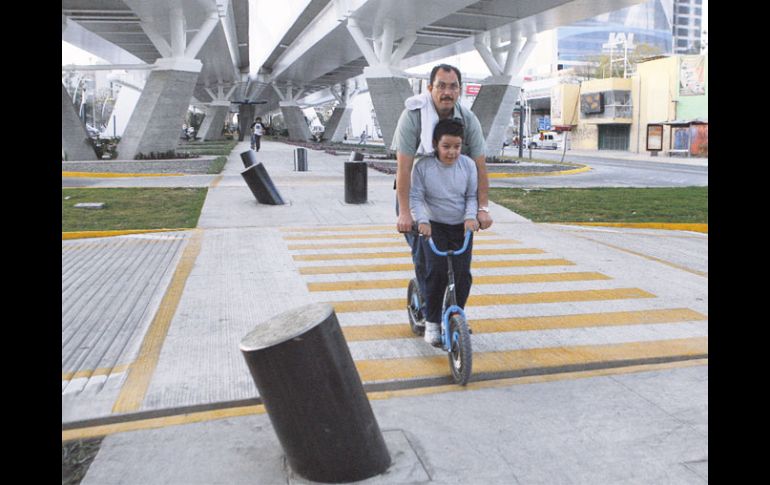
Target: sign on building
(692, 78)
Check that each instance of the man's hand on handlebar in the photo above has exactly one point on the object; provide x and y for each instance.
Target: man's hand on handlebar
(424, 230)
(405, 222)
(484, 219)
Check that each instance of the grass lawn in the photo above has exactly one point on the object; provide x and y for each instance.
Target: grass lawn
(132, 208)
(628, 205)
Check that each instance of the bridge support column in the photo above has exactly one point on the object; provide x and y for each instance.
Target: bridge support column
(74, 138)
(155, 125)
(214, 121)
(497, 97)
(340, 120)
(245, 119)
(156, 122)
(292, 113)
(388, 86)
(295, 121)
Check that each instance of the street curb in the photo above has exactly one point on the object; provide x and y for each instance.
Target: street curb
(117, 175)
(704, 228)
(581, 169)
(92, 234)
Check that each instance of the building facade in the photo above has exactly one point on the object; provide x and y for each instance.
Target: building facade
(662, 108)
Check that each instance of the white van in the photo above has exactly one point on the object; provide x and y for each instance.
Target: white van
(546, 139)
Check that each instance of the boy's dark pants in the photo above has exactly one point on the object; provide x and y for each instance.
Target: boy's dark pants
(445, 237)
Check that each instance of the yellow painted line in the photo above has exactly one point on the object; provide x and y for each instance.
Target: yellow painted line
(389, 235)
(387, 304)
(671, 226)
(406, 254)
(215, 183)
(138, 380)
(514, 381)
(91, 234)
(154, 423)
(376, 268)
(388, 244)
(515, 360)
(498, 175)
(522, 324)
(317, 229)
(97, 431)
(477, 280)
(116, 175)
(101, 371)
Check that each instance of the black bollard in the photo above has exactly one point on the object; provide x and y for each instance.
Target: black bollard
(261, 185)
(249, 158)
(302, 367)
(356, 190)
(356, 157)
(300, 159)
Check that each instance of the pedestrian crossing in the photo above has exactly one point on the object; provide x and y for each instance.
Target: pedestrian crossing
(531, 311)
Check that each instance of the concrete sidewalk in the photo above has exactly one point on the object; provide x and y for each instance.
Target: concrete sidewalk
(570, 314)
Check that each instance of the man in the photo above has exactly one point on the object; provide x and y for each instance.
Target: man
(444, 89)
(412, 138)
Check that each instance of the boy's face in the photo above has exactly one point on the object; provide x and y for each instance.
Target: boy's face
(448, 148)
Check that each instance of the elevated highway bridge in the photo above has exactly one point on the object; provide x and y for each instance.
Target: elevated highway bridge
(202, 51)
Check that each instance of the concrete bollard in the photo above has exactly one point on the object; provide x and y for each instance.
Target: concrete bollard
(300, 159)
(356, 182)
(302, 367)
(249, 158)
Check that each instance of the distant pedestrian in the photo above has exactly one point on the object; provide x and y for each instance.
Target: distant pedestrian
(257, 130)
(364, 136)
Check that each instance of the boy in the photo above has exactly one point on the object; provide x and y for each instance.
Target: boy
(443, 202)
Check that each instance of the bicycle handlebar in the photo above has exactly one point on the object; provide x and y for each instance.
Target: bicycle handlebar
(454, 253)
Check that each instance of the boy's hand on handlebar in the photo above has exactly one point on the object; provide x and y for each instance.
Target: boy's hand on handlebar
(424, 230)
(471, 225)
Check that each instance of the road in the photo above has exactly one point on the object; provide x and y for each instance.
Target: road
(611, 172)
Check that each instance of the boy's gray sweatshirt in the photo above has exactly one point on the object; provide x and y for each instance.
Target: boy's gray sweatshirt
(443, 193)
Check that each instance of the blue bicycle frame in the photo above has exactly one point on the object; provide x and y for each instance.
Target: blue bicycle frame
(453, 307)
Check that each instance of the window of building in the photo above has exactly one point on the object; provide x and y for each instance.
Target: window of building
(683, 9)
(682, 32)
(681, 42)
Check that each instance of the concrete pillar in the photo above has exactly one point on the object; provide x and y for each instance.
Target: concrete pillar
(494, 107)
(74, 138)
(245, 119)
(388, 95)
(156, 122)
(214, 121)
(295, 121)
(338, 124)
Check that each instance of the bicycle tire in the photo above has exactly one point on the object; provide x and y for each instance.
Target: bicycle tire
(460, 353)
(416, 319)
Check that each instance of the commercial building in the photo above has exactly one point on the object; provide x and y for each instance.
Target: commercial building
(662, 108)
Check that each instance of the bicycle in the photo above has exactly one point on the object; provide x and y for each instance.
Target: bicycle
(455, 333)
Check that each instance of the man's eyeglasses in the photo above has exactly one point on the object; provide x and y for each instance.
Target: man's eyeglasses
(442, 86)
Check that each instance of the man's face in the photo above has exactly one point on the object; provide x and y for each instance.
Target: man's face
(445, 91)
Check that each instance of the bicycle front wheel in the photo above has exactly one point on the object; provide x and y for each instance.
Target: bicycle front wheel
(460, 353)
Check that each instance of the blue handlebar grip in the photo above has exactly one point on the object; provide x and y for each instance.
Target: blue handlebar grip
(456, 253)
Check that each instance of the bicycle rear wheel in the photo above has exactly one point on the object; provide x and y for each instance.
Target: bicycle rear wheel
(414, 308)
(460, 353)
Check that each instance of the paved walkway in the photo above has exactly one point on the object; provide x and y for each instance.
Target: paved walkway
(590, 344)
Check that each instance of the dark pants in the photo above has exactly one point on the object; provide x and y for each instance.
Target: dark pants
(255, 142)
(418, 257)
(445, 237)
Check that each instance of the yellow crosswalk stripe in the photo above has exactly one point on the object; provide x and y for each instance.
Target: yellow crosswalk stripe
(514, 360)
(388, 244)
(500, 299)
(407, 254)
(376, 268)
(389, 235)
(391, 227)
(518, 324)
(477, 280)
